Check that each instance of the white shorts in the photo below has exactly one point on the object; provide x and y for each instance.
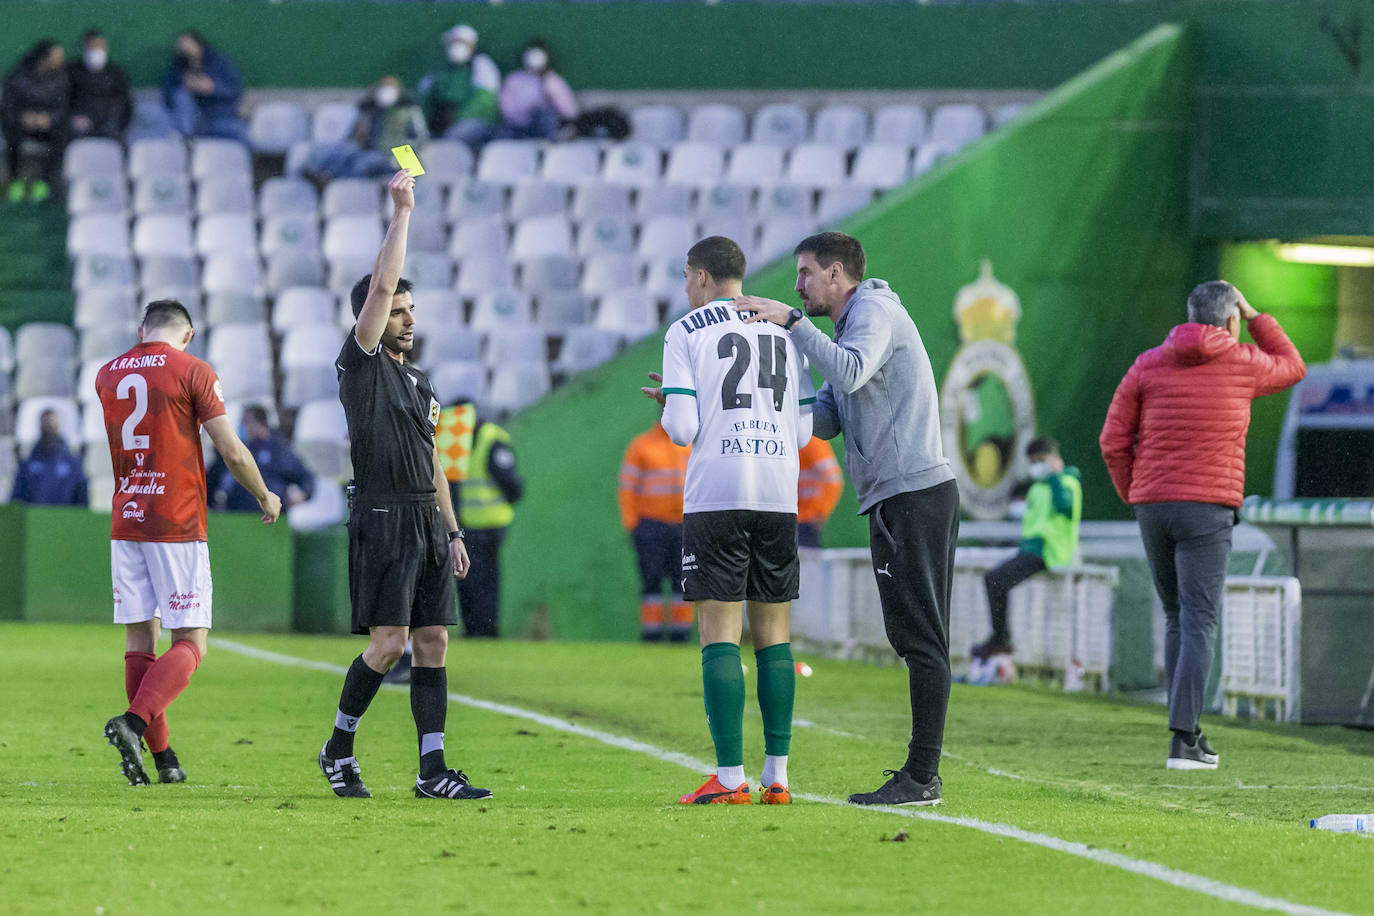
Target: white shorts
(166, 580)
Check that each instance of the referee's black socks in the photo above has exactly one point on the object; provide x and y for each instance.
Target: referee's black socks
(359, 687)
(429, 706)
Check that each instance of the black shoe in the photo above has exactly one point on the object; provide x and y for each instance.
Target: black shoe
(448, 784)
(344, 776)
(130, 747)
(900, 789)
(993, 645)
(1194, 755)
(169, 767)
(400, 672)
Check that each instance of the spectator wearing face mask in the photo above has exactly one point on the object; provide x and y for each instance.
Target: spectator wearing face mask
(33, 114)
(202, 89)
(459, 96)
(535, 101)
(101, 102)
(387, 118)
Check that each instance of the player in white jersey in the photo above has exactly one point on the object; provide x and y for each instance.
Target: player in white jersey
(740, 395)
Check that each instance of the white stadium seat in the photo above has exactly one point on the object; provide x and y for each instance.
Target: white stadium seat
(302, 305)
(881, 167)
(837, 203)
(781, 124)
(515, 387)
(332, 122)
(536, 197)
(717, 123)
(447, 339)
(163, 233)
(104, 305)
(594, 199)
(507, 161)
(662, 125)
(290, 232)
(227, 234)
(930, 154)
(585, 348)
(845, 126)
(571, 162)
(459, 380)
(231, 273)
(279, 196)
(446, 161)
(26, 420)
(778, 237)
(294, 268)
(473, 198)
(633, 163)
(783, 200)
(274, 126)
(666, 236)
(230, 194)
(352, 235)
(485, 235)
(899, 125)
(515, 344)
(604, 273)
(959, 123)
(234, 306)
(484, 272)
(320, 437)
(107, 340)
(755, 163)
(215, 158)
(723, 201)
(547, 273)
(44, 340)
(663, 200)
(103, 270)
(816, 165)
(92, 157)
(630, 313)
(559, 311)
(695, 162)
(148, 158)
(97, 194)
(162, 194)
(542, 235)
(99, 234)
(500, 308)
(351, 197)
(605, 234)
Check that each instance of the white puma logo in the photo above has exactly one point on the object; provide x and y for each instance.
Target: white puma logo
(883, 571)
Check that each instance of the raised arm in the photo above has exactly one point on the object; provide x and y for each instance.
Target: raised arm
(386, 273)
(1278, 366)
(239, 460)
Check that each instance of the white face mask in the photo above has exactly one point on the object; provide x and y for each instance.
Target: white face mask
(460, 52)
(1038, 470)
(95, 58)
(536, 59)
(386, 96)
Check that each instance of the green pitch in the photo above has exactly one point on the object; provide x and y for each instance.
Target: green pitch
(578, 823)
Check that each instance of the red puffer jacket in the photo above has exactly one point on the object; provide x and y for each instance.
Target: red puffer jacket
(1176, 427)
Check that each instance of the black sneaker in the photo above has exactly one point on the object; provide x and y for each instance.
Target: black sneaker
(448, 784)
(400, 672)
(1194, 755)
(169, 767)
(993, 645)
(344, 776)
(900, 789)
(130, 747)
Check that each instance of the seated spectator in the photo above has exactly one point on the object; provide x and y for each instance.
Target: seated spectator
(281, 469)
(101, 102)
(535, 101)
(202, 88)
(459, 97)
(387, 118)
(52, 476)
(33, 113)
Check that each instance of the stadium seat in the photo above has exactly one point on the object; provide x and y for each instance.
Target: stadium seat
(779, 237)
(631, 313)
(881, 167)
(663, 275)
(605, 234)
(229, 194)
(500, 308)
(286, 269)
(215, 158)
(26, 420)
(816, 165)
(274, 126)
(240, 354)
(959, 124)
(92, 157)
(572, 162)
(320, 438)
(104, 305)
(837, 203)
(781, 124)
(234, 306)
(153, 158)
(226, 234)
(695, 162)
(899, 125)
(303, 384)
(661, 125)
(514, 344)
(783, 201)
(188, 296)
(106, 340)
(484, 272)
(447, 339)
(97, 194)
(302, 305)
(428, 231)
(633, 163)
(540, 236)
(103, 270)
(585, 348)
(446, 161)
(352, 235)
(486, 235)
(564, 309)
(298, 233)
(151, 121)
(515, 387)
(105, 234)
(168, 270)
(723, 125)
(326, 507)
(507, 161)
(9, 467)
(280, 196)
(666, 236)
(51, 377)
(231, 273)
(85, 381)
(473, 198)
(604, 273)
(931, 153)
(723, 201)
(163, 234)
(428, 268)
(547, 273)
(348, 270)
(296, 158)
(162, 194)
(307, 363)
(436, 304)
(44, 340)
(844, 126)
(595, 199)
(535, 197)
(459, 380)
(95, 439)
(1004, 113)
(663, 200)
(739, 229)
(755, 164)
(6, 351)
(332, 122)
(351, 197)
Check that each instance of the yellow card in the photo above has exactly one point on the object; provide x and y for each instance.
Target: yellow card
(408, 160)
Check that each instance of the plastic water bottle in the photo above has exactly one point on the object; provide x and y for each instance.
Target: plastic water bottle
(1344, 823)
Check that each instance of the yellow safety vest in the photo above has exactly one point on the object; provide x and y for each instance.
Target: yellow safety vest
(453, 439)
(483, 505)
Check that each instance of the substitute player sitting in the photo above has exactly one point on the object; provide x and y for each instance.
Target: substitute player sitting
(156, 398)
(740, 395)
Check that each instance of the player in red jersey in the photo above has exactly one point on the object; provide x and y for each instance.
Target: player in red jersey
(156, 397)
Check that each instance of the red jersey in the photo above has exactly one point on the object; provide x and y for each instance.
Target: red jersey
(155, 397)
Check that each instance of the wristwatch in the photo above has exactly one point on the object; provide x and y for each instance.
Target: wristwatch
(456, 535)
(792, 318)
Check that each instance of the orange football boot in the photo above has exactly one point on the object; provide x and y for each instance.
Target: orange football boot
(776, 794)
(713, 793)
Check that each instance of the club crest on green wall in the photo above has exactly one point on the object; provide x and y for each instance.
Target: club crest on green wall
(986, 407)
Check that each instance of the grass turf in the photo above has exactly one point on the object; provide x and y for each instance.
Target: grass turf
(578, 824)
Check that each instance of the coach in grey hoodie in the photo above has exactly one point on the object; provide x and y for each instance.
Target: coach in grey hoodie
(880, 392)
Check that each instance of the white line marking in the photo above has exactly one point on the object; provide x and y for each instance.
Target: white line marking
(1163, 873)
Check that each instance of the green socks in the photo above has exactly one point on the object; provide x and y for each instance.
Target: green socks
(777, 690)
(723, 680)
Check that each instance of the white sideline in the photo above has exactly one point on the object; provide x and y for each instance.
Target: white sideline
(1212, 888)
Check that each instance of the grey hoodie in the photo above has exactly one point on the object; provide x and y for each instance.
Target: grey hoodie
(880, 392)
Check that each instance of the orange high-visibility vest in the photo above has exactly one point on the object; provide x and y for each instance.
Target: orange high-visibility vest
(819, 484)
(651, 479)
(453, 439)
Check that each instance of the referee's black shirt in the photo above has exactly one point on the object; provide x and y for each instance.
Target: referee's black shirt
(392, 412)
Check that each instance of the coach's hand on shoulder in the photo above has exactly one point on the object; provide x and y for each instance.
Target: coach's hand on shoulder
(459, 555)
(271, 508)
(763, 309)
(654, 394)
(402, 188)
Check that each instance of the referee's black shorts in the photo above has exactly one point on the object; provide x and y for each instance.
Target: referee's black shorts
(739, 555)
(399, 574)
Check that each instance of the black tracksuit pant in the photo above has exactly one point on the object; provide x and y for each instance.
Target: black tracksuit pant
(479, 594)
(1000, 580)
(912, 538)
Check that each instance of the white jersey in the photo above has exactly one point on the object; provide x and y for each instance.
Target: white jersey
(746, 393)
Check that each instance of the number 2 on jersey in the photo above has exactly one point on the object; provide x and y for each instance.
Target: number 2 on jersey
(772, 369)
(136, 385)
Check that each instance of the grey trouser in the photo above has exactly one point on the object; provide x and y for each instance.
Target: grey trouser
(1188, 546)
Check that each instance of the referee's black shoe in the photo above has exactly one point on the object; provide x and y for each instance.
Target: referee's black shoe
(344, 776)
(900, 789)
(130, 747)
(1191, 755)
(448, 784)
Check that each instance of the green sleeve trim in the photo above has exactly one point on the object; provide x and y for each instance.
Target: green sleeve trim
(805, 401)
(686, 391)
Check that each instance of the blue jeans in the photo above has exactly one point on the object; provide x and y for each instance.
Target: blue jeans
(472, 131)
(544, 124)
(345, 160)
(191, 121)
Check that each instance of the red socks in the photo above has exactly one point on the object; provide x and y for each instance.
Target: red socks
(136, 665)
(162, 682)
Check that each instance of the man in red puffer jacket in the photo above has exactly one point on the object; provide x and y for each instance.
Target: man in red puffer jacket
(1174, 443)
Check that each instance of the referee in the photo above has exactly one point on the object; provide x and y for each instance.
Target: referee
(880, 392)
(404, 544)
